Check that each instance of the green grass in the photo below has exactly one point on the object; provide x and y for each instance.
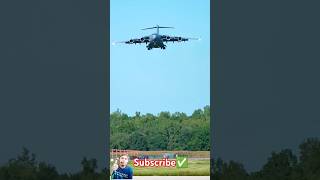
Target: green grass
(195, 168)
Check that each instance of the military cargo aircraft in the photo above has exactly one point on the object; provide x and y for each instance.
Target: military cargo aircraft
(156, 40)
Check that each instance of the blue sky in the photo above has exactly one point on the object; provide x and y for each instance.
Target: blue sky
(175, 79)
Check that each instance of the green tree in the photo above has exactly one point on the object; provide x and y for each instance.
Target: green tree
(166, 131)
(47, 171)
(280, 166)
(232, 171)
(310, 158)
(89, 167)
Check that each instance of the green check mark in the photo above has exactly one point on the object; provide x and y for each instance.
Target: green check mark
(182, 162)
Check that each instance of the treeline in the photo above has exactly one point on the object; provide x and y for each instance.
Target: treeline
(26, 167)
(283, 165)
(164, 131)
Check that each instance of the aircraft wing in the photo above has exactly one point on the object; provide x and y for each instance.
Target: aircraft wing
(166, 38)
(144, 39)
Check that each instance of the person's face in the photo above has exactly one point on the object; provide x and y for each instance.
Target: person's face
(123, 161)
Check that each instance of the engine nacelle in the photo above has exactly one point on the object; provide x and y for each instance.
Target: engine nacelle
(142, 39)
(179, 39)
(131, 41)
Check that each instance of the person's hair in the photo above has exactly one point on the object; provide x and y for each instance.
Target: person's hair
(124, 155)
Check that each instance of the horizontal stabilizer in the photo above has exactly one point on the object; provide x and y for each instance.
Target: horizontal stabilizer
(156, 27)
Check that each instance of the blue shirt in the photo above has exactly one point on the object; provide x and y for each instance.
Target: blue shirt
(122, 173)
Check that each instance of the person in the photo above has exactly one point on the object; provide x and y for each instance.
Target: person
(122, 170)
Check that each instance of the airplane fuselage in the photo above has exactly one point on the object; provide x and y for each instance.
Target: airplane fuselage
(155, 41)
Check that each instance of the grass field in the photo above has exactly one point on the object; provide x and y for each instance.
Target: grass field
(195, 168)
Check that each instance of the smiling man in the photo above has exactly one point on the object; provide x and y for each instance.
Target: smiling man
(121, 170)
